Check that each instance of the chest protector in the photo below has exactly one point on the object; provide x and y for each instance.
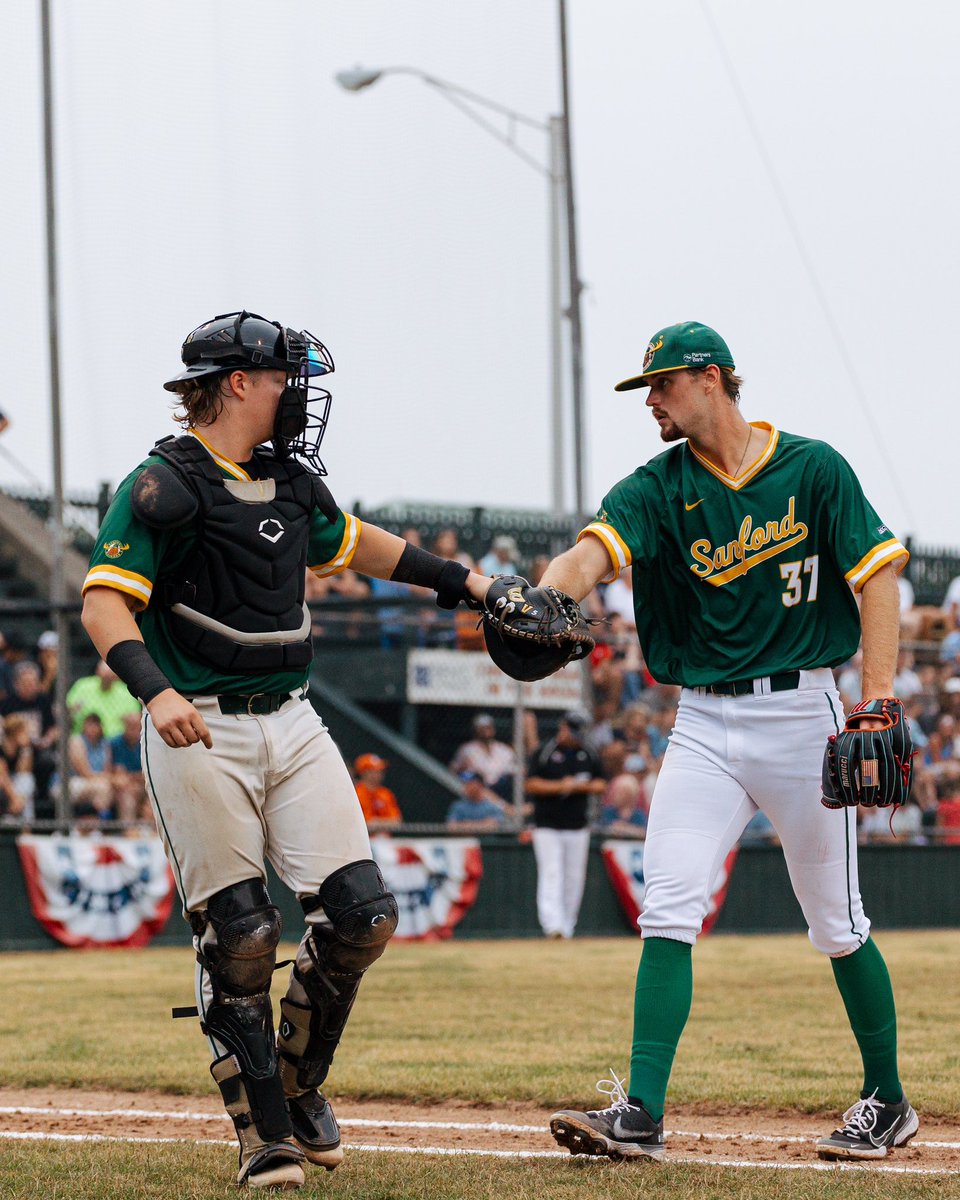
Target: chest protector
(236, 604)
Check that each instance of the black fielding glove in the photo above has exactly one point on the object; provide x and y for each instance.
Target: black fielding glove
(532, 632)
(872, 767)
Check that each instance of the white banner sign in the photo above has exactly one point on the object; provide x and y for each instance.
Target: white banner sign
(435, 881)
(470, 678)
(103, 891)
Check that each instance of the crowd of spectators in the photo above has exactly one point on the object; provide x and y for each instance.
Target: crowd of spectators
(104, 771)
(631, 716)
(627, 721)
(628, 703)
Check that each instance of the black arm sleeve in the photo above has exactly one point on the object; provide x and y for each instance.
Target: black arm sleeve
(447, 577)
(131, 661)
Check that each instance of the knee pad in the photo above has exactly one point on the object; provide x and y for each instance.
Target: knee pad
(238, 941)
(363, 916)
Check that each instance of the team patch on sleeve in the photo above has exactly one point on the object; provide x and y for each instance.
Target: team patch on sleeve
(614, 544)
(346, 550)
(107, 575)
(890, 551)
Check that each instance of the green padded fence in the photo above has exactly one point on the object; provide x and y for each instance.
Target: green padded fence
(903, 886)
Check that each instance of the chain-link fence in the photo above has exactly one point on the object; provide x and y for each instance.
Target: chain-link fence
(35, 770)
(399, 678)
(394, 677)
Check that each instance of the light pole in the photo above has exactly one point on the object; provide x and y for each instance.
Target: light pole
(576, 287)
(57, 584)
(358, 78)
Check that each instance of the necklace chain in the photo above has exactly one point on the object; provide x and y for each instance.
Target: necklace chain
(744, 454)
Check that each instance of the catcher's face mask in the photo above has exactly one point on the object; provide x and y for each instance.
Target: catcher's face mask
(296, 430)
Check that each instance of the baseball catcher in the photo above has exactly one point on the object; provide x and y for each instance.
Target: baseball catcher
(195, 597)
(532, 631)
(869, 763)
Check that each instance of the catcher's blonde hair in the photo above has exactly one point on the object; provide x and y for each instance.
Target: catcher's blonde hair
(201, 400)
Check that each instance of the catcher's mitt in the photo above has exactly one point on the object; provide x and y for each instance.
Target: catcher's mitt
(872, 767)
(532, 632)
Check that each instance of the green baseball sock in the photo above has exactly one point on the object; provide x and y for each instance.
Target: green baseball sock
(864, 984)
(661, 1006)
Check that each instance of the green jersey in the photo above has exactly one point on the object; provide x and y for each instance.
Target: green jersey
(130, 556)
(737, 578)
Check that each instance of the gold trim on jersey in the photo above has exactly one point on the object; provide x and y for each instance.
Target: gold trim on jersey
(614, 544)
(886, 552)
(104, 575)
(348, 547)
(227, 464)
(730, 561)
(757, 465)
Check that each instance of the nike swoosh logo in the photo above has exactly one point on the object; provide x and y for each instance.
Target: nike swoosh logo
(690, 507)
(627, 1134)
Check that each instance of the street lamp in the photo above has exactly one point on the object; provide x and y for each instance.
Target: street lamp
(357, 78)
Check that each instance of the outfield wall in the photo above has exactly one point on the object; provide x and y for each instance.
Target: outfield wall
(903, 886)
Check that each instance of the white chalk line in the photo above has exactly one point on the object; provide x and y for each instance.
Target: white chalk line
(367, 1123)
(34, 1135)
(449, 1152)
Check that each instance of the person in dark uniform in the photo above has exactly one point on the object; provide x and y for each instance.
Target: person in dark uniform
(562, 776)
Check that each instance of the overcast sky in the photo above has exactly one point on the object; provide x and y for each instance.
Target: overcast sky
(207, 162)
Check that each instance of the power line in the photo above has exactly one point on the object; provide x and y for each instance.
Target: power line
(807, 261)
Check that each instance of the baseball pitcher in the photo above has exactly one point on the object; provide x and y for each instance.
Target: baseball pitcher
(748, 548)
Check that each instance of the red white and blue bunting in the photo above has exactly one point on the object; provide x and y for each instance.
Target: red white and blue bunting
(435, 881)
(104, 891)
(624, 862)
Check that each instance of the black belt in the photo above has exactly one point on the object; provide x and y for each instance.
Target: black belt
(786, 681)
(260, 704)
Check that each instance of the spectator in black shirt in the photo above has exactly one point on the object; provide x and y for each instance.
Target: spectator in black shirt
(562, 777)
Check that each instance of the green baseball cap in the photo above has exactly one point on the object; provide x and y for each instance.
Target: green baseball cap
(677, 348)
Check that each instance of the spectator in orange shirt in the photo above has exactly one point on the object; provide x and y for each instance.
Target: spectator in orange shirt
(379, 804)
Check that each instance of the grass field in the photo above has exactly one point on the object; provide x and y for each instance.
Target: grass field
(489, 1023)
(204, 1173)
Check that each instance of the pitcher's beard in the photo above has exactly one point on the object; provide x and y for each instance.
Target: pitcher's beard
(671, 432)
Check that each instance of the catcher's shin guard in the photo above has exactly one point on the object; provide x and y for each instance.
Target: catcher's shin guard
(269, 1158)
(362, 917)
(237, 936)
(315, 1129)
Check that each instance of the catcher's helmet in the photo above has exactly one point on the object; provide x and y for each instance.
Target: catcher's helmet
(246, 341)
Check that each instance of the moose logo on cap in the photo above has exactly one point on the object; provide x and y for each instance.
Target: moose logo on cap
(651, 350)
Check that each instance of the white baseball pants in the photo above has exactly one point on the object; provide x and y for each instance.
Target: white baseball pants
(561, 856)
(273, 787)
(727, 758)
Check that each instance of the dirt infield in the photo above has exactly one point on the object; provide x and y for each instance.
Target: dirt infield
(721, 1135)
